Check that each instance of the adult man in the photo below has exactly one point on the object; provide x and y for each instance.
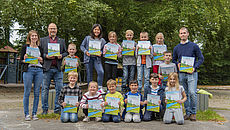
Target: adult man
(188, 80)
(52, 67)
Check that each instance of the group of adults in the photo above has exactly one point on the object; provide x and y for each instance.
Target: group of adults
(49, 67)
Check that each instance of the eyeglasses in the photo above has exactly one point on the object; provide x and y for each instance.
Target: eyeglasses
(52, 28)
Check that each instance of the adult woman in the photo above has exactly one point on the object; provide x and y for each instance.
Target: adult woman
(32, 73)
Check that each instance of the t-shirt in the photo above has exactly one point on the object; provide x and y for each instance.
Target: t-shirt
(154, 91)
(116, 95)
(181, 89)
(143, 59)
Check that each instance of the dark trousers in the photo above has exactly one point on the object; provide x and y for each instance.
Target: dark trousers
(110, 71)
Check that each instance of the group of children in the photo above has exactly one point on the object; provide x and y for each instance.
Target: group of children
(73, 90)
(165, 74)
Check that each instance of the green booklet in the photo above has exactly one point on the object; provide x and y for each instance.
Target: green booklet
(113, 106)
(53, 49)
(128, 46)
(172, 97)
(32, 55)
(133, 104)
(111, 52)
(71, 64)
(187, 64)
(159, 50)
(70, 104)
(94, 108)
(94, 47)
(144, 47)
(153, 103)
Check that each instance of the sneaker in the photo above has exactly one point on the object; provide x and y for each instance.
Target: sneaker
(186, 117)
(101, 91)
(98, 119)
(44, 112)
(34, 117)
(86, 119)
(193, 117)
(27, 118)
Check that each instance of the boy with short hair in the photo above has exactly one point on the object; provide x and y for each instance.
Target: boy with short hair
(111, 84)
(166, 68)
(154, 89)
(129, 64)
(144, 64)
(72, 89)
(129, 116)
(72, 51)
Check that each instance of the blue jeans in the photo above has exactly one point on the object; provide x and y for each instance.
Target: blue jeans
(99, 69)
(189, 82)
(66, 116)
(115, 118)
(32, 75)
(128, 75)
(142, 70)
(57, 75)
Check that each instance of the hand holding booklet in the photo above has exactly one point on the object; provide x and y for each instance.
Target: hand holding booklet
(144, 47)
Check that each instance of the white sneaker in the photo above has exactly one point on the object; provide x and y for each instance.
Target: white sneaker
(86, 119)
(27, 118)
(34, 117)
(101, 91)
(98, 119)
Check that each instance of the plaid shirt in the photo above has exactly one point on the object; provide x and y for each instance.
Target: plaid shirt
(67, 91)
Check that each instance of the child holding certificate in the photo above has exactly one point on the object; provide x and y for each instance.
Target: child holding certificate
(111, 51)
(70, 90)
(154, 109)
(70, 63)
(176, 94)
(111, 84)
(92, 94)
(129, 60)
(133, 113)
(144, 62)
(92, 47)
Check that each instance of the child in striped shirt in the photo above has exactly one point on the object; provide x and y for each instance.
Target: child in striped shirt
(92, 94)
(154, 89)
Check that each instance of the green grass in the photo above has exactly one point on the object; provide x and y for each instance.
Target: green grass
(49, 116)
(209, 115)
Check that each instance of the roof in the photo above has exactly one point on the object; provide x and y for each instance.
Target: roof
(8, 49)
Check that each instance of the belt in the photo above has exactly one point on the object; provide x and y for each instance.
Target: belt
(36, 67)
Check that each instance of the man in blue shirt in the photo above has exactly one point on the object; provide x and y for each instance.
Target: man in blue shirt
(188, 80)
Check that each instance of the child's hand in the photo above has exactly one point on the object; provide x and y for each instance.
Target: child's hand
(77, 64)
(50, 57)
(145, 102)
(179, 101)
(154, 53)
(134, 48)
(87, 53)
(25, 56)
(161, 77)
(137, 47)
(166, 101)
(102, 105)
(99, 54)
(122, 49)
(77, 104)
(150, 47)
(159, 101)
(142, 103)
(59, 57)
(87, 106)
(106, 103)
(125, 101)
(119, 103)
(178, 66)
(63, 104)
(40, 59)
(64, 62)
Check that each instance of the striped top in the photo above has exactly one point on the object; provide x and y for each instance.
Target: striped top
(154, 91)
(86, 97)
